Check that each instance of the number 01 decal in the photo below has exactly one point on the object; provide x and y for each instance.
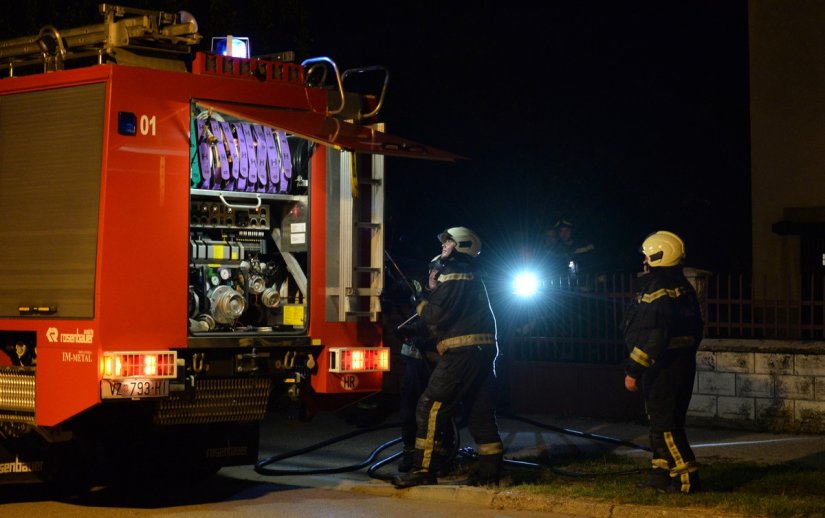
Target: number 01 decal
(148, 125)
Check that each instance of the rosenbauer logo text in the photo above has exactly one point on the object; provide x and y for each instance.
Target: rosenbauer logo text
(19, 466)
(78, 337)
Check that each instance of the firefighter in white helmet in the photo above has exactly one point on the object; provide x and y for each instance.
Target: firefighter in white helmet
(662, 330)
(458, 312)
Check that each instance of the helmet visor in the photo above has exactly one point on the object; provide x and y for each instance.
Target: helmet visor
(444, 236)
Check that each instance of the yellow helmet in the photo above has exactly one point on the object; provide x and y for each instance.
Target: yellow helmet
(663, 248)
(467, 242)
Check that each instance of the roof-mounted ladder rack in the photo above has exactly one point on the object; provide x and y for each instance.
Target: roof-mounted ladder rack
(132, 31)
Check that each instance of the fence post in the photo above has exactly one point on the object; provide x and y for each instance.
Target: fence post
(699, 279)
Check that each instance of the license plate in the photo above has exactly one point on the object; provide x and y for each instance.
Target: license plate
(134, 388)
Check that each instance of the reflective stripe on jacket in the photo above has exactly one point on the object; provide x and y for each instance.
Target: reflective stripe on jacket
(664, 315)
(458, 309)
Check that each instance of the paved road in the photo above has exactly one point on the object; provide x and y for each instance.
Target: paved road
(530, 435)
(228, 499)
(241, 491)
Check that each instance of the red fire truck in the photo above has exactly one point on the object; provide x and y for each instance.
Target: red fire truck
(184, 235)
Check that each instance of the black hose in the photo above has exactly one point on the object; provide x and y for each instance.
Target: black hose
(602, 438)
(586, 435)
(260, 466)
(372, 471)
(573, 474)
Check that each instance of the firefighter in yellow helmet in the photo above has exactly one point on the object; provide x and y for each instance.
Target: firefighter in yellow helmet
(662, 330)
(458, 312)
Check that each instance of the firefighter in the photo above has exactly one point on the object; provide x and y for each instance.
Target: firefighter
(420, 357)
(662, 330)
(567, 253)
(459, 313)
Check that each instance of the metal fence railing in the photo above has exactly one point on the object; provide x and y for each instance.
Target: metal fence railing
(737, 307)
(579, 320)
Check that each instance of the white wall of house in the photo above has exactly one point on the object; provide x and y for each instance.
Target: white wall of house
(787, 101)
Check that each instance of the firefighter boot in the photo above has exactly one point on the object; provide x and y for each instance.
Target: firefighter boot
(489, 470)
(659, 479)
(686, 480)
(443, 464)
(407, 461)
(416, 477)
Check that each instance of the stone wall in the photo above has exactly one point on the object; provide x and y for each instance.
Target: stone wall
(762, 384)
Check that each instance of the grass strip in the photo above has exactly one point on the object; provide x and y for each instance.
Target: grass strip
(747, 488)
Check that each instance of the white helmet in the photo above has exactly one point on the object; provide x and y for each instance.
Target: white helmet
(663, 248)
(467, 242)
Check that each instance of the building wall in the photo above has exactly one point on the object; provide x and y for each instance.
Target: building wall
(763, 384)
(787, 109)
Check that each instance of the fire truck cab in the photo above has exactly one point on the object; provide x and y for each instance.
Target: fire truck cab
(184, 235)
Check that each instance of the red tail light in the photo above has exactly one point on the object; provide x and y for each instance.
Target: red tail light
(139, 364)
(359, 359)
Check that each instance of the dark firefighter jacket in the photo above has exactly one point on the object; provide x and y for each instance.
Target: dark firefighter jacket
(417, 341)
(665, 315)
(458, 309)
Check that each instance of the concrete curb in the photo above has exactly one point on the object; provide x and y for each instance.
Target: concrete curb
(506, 499)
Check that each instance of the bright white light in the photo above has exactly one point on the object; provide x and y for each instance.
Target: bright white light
(239, 48)
(236, 47)
(525, 284)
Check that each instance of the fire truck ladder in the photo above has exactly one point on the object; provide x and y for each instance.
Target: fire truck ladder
(361, 269)
(126, 36)
(356, 292)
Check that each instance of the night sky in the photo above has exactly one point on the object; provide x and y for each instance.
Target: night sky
(626, 120)
(626, 117)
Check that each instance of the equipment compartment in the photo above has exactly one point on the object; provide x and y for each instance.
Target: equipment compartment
(248, 227)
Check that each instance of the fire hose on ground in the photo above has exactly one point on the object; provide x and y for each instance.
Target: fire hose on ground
(261, 467)
(372, 471)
